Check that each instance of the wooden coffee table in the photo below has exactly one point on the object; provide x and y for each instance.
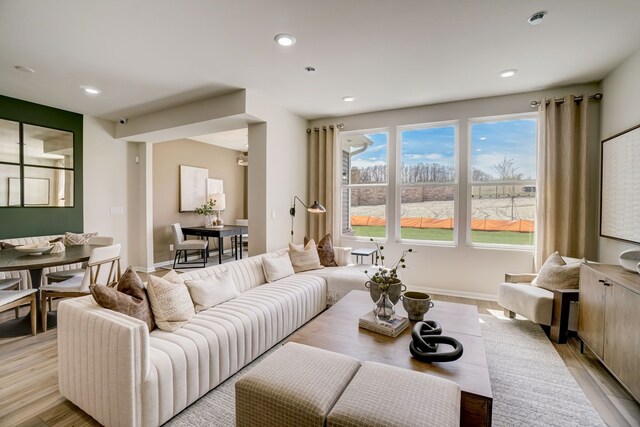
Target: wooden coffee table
(337, 330)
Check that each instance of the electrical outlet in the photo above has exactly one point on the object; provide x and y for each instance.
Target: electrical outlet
(170, 247)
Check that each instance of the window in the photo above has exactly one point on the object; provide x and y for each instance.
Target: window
(36, 166)
(502, 180)
(428, 182)
(364, 183)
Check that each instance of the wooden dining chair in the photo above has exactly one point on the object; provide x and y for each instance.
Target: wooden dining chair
(62, 275)
(103, 268)
(11, 284)
(13, 299)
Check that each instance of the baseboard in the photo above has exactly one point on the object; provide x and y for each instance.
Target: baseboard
(462, 294)
(144, 270)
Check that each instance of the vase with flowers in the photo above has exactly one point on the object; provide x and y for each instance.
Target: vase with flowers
(207, 210)
(385, 287)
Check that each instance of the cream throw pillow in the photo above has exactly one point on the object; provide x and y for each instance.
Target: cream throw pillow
(304, 258)
(557, 274)
(170, 302)
(212, 291)
(277, 268)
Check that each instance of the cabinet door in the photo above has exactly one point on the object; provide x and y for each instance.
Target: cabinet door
(622, 336)
(591, 309)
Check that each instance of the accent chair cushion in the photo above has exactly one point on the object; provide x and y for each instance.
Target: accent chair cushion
(128, 297)
(276, 268)
(212, 291)
(325, 251)
(557, 274)
(534, 303)
(74, 239)
(170, 302)
(304, 257)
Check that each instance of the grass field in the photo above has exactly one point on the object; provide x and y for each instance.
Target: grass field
(435, 234)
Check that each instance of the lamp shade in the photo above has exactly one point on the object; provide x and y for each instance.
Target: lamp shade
(316, 207)
(219, 199)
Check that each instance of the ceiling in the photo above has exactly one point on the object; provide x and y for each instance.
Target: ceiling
(233, 139)
(147, 55)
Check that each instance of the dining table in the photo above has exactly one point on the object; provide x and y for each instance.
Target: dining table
(14, 260)
(233, 231)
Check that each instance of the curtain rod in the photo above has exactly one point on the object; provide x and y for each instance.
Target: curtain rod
(339, 126)
(595, 96)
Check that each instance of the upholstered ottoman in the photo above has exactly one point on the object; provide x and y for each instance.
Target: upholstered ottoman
(386, 396)
(296, 386)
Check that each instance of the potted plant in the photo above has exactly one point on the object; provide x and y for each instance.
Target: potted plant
(385, 287)
(208, 210)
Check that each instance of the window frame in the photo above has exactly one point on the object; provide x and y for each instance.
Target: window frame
(455, 184)
(386, 185)
(470, 183)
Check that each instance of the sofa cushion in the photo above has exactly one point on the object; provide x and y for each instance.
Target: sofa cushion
(536, 304)
(277, 268)
(304, 257)
(171, 303)
(325, 251)
(557, 274)
(212, 291)
(128, 297)
(341, 280)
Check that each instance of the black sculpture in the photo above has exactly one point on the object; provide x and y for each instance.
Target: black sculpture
(426, 337)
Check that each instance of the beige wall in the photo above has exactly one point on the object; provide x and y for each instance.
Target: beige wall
(620, 111)
(167, 157)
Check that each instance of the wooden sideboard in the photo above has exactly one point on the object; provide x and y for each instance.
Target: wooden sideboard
(609, 320)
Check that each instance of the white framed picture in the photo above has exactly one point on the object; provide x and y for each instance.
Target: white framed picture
(193, 187)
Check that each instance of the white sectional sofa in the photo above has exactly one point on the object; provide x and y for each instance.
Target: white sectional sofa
(122, 375)
(25, 283)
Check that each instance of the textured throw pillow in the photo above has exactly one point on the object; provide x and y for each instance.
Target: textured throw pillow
(212, 291)
(325, 251)
(128, 297)
(173, 277)
(557, 274)
(73, 239)
(304, 258)
(171, 303)
(277, 268)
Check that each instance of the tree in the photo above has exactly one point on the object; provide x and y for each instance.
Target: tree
(507, 171)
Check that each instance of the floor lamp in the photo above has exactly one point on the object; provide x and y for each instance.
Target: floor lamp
(315, 207)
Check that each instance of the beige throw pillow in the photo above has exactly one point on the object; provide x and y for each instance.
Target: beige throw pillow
(173, 277)
(557, 274)
(170, 302)
(304, 258)
(212, 291)
(277, 268)
(73, 239)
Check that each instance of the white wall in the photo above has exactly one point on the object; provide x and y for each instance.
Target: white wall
(460, 270)
(106, 183)
(285, 171)
(620, 111)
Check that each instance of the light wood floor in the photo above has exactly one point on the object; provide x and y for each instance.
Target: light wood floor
(29, 393)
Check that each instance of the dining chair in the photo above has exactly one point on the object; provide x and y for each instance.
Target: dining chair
(15, 298)
(184, 246)
(11, 284)
(62, 275)
(103, 268)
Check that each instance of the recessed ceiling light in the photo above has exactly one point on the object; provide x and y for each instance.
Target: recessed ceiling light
(91, 90)
(508, 73)
(536, 18)
(284, 39)
(348, 98)
(24, 69)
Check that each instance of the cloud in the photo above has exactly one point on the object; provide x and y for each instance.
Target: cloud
(432, 156)
(363, 163)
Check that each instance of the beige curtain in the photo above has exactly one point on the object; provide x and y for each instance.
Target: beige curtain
(561, 218)
(321, 179)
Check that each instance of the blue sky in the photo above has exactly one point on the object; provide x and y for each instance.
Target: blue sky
(490, 142)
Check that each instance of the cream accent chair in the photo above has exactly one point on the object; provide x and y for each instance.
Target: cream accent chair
(103, 268)
(553, 310)
(182, 245)
(62, 275)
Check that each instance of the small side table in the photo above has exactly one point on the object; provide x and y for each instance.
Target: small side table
(363, 252)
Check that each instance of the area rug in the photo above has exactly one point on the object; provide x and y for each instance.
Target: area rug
(531, 384)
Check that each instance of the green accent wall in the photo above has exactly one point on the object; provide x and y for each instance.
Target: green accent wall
(33, 221)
